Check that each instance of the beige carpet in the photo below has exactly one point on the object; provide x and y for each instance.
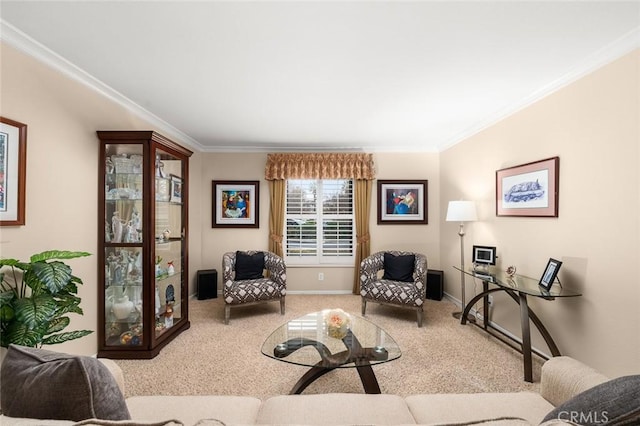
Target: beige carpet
(212, 358)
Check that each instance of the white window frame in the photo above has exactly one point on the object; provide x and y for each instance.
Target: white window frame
(319, 259)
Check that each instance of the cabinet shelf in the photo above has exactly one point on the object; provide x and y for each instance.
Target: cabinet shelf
(138, 212)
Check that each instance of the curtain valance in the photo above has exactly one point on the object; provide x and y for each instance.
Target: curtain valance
(283, 166)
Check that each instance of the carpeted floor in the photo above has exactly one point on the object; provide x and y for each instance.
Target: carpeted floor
(211, 358)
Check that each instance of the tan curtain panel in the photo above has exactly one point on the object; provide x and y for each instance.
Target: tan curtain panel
(276, 216)
(319, 166)
(363, 239)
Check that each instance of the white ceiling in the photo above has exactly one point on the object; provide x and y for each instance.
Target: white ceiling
(325, 75)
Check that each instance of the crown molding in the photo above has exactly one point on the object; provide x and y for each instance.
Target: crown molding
(19, 40)
(613, 51)
(22, 42)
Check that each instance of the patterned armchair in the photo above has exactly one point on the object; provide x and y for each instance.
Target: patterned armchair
(409, 292)
(256, 288)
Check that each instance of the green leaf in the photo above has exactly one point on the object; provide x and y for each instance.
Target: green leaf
(34, 311)
(55, 275)
(57, 254)
(6, 313)
(63, 337)
(6, 297)
(9, 262)
(20, 334)
(58, 324)
(75, 280)
(70, 288)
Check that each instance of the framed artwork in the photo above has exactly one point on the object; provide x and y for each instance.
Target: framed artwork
(550, 273)
(176, 189)
(235, 204)
(529, 189)
(13, 172)
(402, 202)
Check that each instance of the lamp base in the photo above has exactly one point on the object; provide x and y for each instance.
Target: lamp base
(458, 315)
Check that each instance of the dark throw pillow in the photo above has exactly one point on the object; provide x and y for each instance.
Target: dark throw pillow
(614, 403)
(249, 266)
(41, 384)
(399, 268)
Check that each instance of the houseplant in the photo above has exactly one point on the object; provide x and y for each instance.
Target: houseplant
(35, 298)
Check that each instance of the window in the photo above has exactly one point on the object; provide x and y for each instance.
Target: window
(319, 221)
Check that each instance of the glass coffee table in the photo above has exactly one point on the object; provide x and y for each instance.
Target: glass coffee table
(306, 341)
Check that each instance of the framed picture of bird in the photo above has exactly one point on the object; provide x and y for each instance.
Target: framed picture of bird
(402, 202)
(235, 204)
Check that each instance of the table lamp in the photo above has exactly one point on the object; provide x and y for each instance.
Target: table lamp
(461, 211)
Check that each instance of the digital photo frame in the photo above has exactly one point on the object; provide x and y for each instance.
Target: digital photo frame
(484, 255)
(550, 273)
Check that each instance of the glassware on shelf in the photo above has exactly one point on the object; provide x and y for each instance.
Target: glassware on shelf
(162, 189)
(122, 163)
(122, 307)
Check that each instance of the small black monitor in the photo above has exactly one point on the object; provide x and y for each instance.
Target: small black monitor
(484, 255)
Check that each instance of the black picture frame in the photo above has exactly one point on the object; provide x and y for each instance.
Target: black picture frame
(403, 202)
(483, 255)
(226, 215)
(550, 273)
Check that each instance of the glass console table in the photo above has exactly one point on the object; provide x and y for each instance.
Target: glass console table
(518, 287)
(306, 341)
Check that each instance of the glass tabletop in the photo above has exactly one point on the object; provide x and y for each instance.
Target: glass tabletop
(308, 341)
(519, 283)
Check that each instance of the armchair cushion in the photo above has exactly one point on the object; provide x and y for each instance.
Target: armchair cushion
(399, 268)
(249, 266)
(51, 385)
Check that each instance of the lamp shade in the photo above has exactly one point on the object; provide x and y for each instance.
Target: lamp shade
(461, 211)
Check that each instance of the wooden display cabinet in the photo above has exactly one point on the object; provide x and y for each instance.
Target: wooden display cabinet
(142, 234)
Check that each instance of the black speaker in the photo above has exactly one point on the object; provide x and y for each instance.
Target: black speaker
(435, 284)
(207, 284)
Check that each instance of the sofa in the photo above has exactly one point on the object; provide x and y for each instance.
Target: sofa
(570, 393)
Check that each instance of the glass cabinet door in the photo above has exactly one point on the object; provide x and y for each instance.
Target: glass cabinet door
(169, 241)
(123, 236)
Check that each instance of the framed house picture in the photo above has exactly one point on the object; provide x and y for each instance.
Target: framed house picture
(529, 189)
(13, 172)
(402, 202)
(235, 204)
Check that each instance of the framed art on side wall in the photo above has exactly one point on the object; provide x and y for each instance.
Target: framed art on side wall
(235, 204)
(529, 189)
(402, 202)
(13, 173)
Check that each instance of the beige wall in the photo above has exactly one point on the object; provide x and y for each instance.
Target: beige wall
(62, 179)
(593, 126)
(250, 166)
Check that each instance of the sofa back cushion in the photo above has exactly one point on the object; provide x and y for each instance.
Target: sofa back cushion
(42, 384)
